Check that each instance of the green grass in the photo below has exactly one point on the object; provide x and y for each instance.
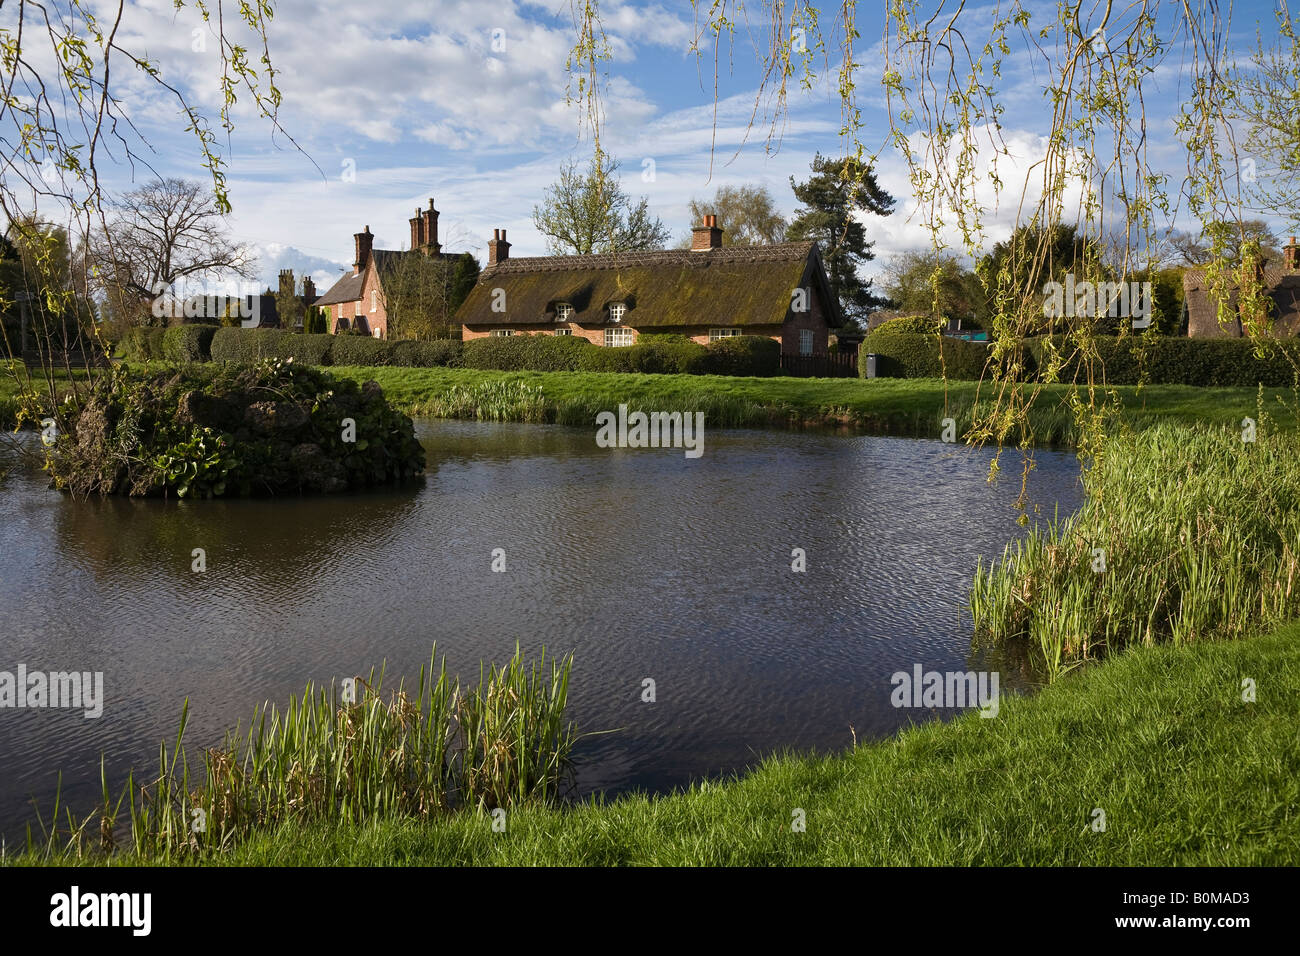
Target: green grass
(1157, 738)
(910, 407)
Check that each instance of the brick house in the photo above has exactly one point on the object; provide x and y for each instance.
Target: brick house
(708, 292)
(356, 301)
(1281, 285)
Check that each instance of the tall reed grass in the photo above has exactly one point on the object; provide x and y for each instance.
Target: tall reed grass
(502, 743)
(1200, 534)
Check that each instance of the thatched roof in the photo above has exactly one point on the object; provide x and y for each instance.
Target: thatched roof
(1202, 312)
(731, 285)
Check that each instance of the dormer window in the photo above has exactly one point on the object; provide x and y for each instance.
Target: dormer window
(617, 310)
(563, 312)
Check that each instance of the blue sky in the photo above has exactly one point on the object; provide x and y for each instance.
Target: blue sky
(416, 101)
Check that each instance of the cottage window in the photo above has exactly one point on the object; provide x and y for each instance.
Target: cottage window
(502, 333)
(715, 334)
(617, 338)
(805, 342)
(616, 311)
(563, 312)
(374, 300)
(361, 305)
(379, 333)
(564, 331)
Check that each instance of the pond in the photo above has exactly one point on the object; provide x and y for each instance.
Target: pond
(645, 563)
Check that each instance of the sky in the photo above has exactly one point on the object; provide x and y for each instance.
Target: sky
(392, 102)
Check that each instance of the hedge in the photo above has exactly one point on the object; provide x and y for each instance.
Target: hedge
(1118, 360)
(438, 352)
(1174, 360)
(188, 343)
(537, 353)
(142, 345)
(742, 355)
(249, 345)
(912, 355)
(361, 350)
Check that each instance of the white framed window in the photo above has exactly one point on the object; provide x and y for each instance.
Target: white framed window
(805, 342)
(715, 334)
(502, 333)
(563, 312)
(374, 300)
(564, 331)
(379, 333)
(617, 310)
(617, 338)
(361, 304)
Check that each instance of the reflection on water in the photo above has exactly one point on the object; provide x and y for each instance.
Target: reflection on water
(644, 563)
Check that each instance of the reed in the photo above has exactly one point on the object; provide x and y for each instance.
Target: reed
(1199, 531)
(408, 755)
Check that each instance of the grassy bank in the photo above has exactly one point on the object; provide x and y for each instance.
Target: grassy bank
(908, 407)
(1159, 739)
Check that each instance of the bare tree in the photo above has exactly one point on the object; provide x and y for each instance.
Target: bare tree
(163, 233)
(747, 214)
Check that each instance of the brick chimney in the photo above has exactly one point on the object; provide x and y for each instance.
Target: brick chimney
(1291, 257)
(430, 231)
(498, 248)
(308, 289)
(707, 236)
(364, 241)
(417, 230)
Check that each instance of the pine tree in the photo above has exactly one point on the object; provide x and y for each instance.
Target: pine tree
(832, 197)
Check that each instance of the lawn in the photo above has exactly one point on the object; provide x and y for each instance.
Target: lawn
(913, 407)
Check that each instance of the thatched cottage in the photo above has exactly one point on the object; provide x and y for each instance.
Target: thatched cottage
(708, 292)
(1281, 285)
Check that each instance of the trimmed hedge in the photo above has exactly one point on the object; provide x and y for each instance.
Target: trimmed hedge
(1173, 360)
(250, 345)
(1127, 360)
(188, 343)
(432, 354)
(912, 355)
(142, 345)
(361, 350)
(742, 355)
(537, 353)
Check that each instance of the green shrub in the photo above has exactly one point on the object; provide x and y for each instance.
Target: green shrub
(741, 355)
(921, 324)
(188, 343)
(431, 354)
(613, 359)
(361, 350)
(911, 355)
(1171, 360)
(142, 345)
(540, 353)
(667, 354)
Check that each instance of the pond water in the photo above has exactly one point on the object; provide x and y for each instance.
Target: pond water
(642, 562)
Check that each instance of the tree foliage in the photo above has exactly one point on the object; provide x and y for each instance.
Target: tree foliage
(586, 211)
(748, 215)
(833, 197)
